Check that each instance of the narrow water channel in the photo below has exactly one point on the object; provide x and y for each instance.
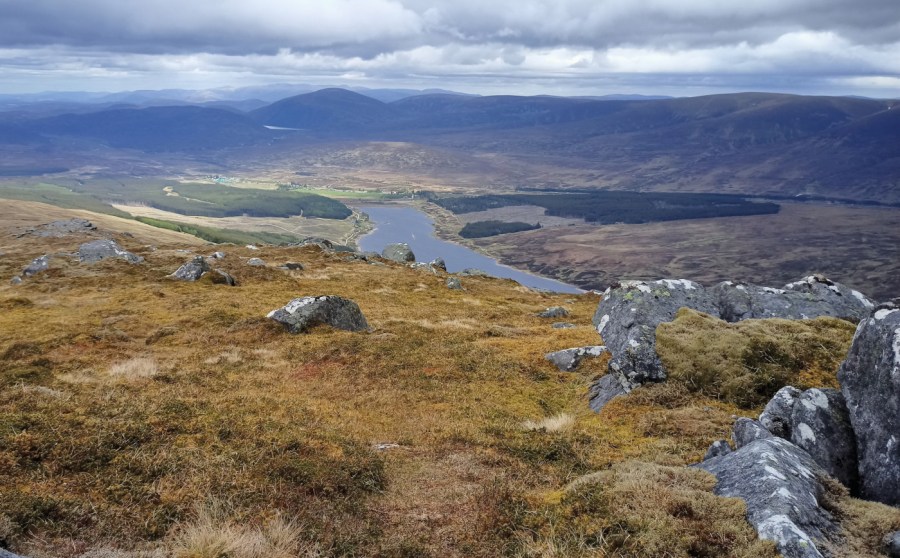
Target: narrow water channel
(407, 224)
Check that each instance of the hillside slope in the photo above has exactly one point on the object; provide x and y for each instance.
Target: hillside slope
(143, 414)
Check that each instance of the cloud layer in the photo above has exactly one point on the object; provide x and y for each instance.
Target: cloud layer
(529, 46)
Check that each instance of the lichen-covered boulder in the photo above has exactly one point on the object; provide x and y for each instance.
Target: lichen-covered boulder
(627, 317)
(553, 312)
(97, 250)
(776, 417)
(746, 431)
(820, 425)
(870, 383)
(837, 300)
(605, 390)
(454, 283)
(300, 314)
(780, 484)
(401, 253)
(569, 359)
(439, 263)
(191, 270)
(808, 298)
(36, 266)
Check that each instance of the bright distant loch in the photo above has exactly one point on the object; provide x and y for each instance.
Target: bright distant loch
(409, 225)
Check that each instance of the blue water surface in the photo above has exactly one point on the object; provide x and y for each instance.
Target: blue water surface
(407, 224)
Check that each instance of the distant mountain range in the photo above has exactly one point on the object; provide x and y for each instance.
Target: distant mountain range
(774, 144)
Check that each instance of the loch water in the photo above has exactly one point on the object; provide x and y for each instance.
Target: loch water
(407, 224)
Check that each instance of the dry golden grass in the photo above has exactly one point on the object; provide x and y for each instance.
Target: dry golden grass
(747, 362)
(243, 412)
(135, 368)
(556, 423)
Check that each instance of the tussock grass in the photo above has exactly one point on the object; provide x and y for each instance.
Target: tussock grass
(747, 362)
(135, 368)
(556, 423)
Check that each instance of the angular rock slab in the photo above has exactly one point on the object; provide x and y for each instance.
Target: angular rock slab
(838, 300)
(820, 425)
(401, 253)
(192, 270)
(604, 390)
(37, 265)
(98, 250)
(568, 360)
(870, 383)
(746, 431)
(808, 298)
(300, 314)
(779, 482)
(776, 417)
(627, 317)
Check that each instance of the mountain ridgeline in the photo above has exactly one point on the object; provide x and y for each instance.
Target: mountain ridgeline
(760, 143)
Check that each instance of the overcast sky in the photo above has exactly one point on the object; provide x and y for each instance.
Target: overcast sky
(596, 47)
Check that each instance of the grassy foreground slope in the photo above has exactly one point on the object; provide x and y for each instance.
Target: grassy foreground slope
(144, 417)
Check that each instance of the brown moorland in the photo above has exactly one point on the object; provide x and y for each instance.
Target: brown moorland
(146, 417)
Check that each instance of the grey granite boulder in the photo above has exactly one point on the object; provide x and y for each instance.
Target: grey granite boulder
(717, 449)
(439, 263)
(808, 298)
(627, 317)
(568, 360)
(219, 277)
(746, 431)
(891, 545)
(839, 301)
(301, 314)
(401, 253)
(554, 312)
(256, 262)
(870, 383)
(454, 283)
(192, 270)
(605, 390)
(59, 229)
(820, 425)
(97, 250)
(36, 266)
(776, 417)
(780, 484)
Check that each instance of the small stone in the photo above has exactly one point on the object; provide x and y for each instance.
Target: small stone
(219, 277)
(454, 283)
(293, 266)
(439, 263)
(256, 262)
(16, 280)
(37, 265)
(218, 255)
(605, 390)
(563, 325)
(554, 312)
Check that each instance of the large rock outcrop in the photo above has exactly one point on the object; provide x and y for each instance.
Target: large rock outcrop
(301, 314)
(870, 383)
(808, 298)
(97, 250)
(780, 484)
(627, 318)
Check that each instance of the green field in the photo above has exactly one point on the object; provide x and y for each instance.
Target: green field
(59, 196)
(220, 236)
